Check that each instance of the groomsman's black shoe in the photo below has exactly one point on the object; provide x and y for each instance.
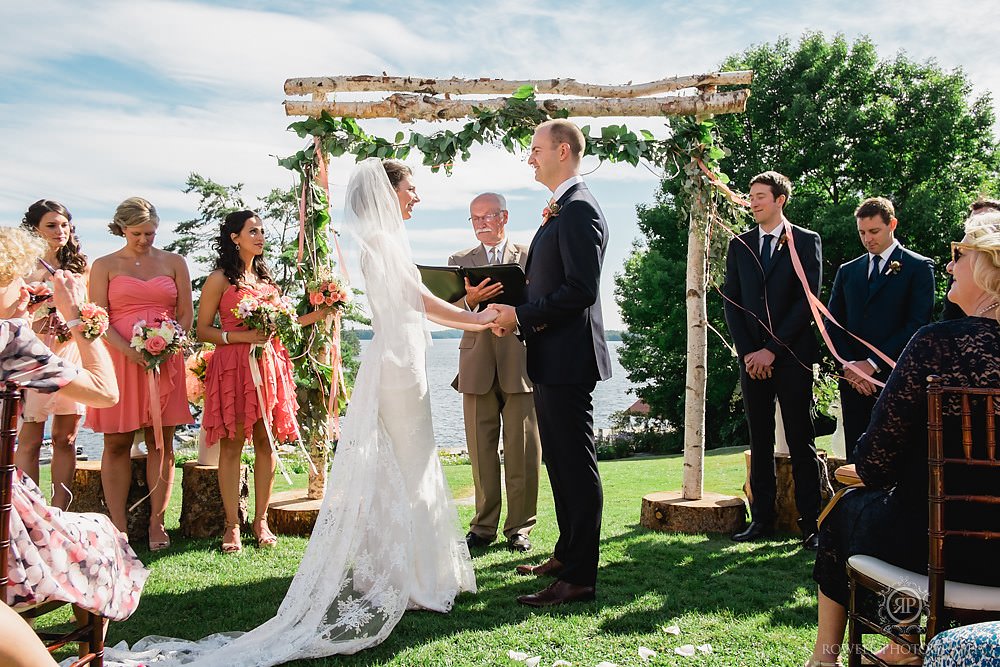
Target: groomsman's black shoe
(478, 541)
(558, 592)
(757, 530)
(811, 542)
(518, 543)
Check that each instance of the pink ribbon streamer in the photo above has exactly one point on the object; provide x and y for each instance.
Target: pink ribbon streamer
(155, 411)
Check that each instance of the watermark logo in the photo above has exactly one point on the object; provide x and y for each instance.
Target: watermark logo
(902, 607)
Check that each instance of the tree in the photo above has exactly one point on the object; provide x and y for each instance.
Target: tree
(842, 125)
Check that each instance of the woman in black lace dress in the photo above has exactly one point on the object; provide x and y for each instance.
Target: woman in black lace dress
(887, 518)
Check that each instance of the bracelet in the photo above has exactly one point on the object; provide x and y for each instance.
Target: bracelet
(225, 338)
(94, 319)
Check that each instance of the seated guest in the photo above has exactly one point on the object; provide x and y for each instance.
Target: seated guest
(976, 645)
(55, 555)
(887, 518)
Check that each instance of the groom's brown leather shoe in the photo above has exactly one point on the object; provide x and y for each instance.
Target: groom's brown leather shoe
(549, 568)
(558, 592)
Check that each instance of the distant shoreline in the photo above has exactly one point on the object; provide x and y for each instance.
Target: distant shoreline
(366, 334)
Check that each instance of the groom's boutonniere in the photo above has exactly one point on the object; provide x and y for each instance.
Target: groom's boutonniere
(550, 211)
(894, 267)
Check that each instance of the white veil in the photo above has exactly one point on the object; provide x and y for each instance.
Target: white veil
(385, 490)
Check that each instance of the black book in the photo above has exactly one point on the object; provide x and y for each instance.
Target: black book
(448, 282)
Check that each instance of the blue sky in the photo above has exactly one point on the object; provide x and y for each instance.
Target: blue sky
(102, 100)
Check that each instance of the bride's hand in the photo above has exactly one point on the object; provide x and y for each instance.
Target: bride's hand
(485, 317)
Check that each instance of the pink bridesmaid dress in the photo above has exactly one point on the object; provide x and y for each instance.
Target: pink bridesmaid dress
(131, 299)
(230, 394)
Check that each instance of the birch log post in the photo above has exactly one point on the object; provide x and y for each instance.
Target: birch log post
(487, 86)
(408, 107)
(697, 350)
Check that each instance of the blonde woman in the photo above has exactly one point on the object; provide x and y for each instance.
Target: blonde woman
(888, 517)
(140, 282)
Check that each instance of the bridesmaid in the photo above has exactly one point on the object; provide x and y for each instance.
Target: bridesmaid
(140, 282)
(51, 221)
(232, 411)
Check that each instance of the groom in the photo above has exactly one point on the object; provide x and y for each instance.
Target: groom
(562, 328)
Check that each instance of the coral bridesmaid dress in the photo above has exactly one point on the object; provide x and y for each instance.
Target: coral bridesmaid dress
(230, 394)
(131, 299)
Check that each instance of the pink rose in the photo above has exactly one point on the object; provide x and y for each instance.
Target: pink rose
(330, 300)
(343, 296)
(332, 287)
(316, 298)
(88, 310)
(155, 345)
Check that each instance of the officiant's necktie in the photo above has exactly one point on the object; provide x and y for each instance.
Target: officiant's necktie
(494, 255)
(765, 251)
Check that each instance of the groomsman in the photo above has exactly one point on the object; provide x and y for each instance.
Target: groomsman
(882, 297)
(496, 393)
(563, 330)
(769, 318)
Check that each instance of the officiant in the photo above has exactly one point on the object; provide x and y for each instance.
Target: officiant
(496, 393)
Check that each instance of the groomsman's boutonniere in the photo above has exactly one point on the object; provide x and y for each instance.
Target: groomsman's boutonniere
(894, 267)
(781, 242)
(550, 211)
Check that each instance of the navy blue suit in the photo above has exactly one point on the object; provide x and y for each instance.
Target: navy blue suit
(768, 309)
(886, 312)
(563, 329)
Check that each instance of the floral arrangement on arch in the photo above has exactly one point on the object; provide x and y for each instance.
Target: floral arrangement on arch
(270, 313)
(328, 290)
(196, 367)
(158, 341)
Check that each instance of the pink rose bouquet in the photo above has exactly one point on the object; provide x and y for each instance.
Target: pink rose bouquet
(328, 291)
(157, 342)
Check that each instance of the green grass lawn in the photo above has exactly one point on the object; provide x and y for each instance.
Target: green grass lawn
(754, 603)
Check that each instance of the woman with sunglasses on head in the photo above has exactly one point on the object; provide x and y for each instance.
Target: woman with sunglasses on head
(51, 221)
(887, 518)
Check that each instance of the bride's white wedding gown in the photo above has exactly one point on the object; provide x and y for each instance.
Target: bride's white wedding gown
(387, 536)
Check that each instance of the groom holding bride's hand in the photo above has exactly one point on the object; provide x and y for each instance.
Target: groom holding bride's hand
(562, 327)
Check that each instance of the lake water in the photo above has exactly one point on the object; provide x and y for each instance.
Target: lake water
(446, 403)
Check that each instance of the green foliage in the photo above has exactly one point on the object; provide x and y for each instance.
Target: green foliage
(511, 127)
(844, 125)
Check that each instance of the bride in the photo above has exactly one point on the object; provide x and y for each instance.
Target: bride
(387, 536)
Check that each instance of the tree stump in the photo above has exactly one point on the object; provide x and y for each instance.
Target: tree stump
(201, 503)
(88, 496)
(784, 504)
(712, 513)
(293, 512)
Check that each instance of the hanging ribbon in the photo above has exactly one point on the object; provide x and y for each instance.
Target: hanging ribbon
(258, 383)
(156, 416)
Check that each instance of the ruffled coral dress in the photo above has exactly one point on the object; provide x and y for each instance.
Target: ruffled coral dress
(230, 393)
(131, 299)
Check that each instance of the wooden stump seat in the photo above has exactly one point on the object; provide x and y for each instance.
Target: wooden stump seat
(201, 503)
(88, 496)
(786, 514)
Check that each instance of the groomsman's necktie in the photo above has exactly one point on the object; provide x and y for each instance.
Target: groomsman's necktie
(765, 251)
(873, 275)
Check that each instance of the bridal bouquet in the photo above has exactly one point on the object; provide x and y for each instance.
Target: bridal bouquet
(158, 341)
(271, 314)
(328, 291)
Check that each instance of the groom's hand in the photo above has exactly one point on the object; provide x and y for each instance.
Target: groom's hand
(499, 332)
(506, 316)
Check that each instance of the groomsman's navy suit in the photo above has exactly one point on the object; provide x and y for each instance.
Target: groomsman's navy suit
(885, 311)
(563, 330)
(767, 308)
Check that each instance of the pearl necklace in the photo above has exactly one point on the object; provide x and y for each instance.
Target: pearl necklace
(988, 308)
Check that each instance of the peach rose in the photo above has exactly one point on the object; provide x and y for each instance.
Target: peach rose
(156, 345)
(330, 300)
(316, 298)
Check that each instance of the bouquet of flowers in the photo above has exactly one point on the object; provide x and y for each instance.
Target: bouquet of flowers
(158, 341)
(269, 313)
(96, 321)
(196, 366)
(328, 291)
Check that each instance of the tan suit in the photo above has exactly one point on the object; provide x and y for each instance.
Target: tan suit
(496, 393)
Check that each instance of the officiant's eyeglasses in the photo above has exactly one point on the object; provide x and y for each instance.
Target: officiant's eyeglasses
(489, 217)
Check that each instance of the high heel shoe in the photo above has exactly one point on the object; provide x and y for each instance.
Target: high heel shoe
(159, 545)
(235, 546)
(265, 538)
